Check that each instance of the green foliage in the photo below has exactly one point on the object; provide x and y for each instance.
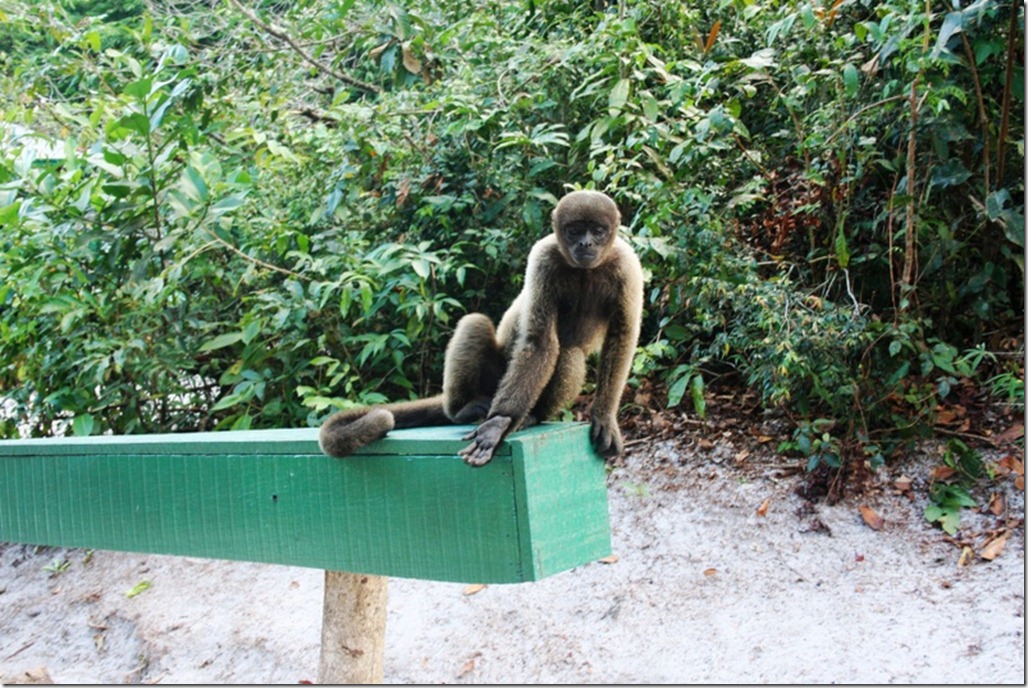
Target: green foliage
(201, 227)
(949, 496)
(57, 567)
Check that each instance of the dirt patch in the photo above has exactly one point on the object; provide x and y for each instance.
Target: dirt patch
(723, 573)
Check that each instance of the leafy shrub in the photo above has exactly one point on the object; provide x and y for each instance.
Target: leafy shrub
(228, 233)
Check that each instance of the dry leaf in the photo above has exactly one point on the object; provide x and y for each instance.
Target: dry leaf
(1011, 434)
(764, 439)
(1019, 482)
(903, 483)
(742, 456)
(996, 504)
(709, 572)
(609, 559)
(762, 509)
(704, 443)
(712, 36)
(473, 588)
(943, 473)
(994, 548)
(1011, 464)
(871, 517)
(966, 556)
(411, 63)
(945, 417)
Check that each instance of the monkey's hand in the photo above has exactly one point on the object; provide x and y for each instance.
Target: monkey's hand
(606, 436)
(485, 439)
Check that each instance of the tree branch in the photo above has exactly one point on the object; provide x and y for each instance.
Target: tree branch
(283, 36)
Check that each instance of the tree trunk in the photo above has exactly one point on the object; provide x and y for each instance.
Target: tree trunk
(353, 628)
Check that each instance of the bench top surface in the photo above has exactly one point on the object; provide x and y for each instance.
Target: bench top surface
(432, 440)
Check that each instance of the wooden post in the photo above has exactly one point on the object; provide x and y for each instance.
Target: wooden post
(353, 628)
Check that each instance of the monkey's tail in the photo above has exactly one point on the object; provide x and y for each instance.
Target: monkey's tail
(347, 431)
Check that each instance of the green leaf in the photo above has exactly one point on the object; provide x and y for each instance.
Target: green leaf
(136, 122)
(698, 401)
(850, 80)
(421, 267)
(83, 425)
(951, 173)
(651, 110)
(138, 589)
(677, 391)
(243, 422)
(618, 96)
(842, 252)
(228, 401)
(251, 331)
(765, 57)
(952, 24)
(227, 204)
(221, 341)
(139, 89)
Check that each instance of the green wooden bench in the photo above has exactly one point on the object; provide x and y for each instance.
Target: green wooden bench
(404, 506)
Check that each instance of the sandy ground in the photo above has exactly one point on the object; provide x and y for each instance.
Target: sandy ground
(705, 589)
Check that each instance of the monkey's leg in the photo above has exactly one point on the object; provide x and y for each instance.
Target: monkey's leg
(564, 386)
(472, 369)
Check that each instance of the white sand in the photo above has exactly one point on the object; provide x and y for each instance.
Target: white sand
(704, 590)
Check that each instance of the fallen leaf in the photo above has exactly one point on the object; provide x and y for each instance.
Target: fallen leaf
(609, 559)
(1019, 482)
(871, 517)
(996, 504)
(742, 456)
(1015, 432)
(764, 439)
(994, 548)
(903, 483)
(762, 509)
(966, 556)
(139, 588)
(859, 557)
(706, 444)
(473, 588)
(1011, 464)
(945, 417)
(468, 667)
(943, 473)
(709, 572)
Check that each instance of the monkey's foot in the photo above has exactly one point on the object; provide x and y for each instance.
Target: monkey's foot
(484, 440)
(606, 437)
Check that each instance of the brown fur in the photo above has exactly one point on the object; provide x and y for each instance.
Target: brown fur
(583, 294)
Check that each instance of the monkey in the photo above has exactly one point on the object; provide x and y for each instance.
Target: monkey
(582, 294)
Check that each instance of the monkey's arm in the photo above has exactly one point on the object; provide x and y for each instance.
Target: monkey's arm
(616, 363)
(531, 367)
(534, 358)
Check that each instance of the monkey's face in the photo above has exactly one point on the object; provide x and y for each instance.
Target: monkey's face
(585, 242)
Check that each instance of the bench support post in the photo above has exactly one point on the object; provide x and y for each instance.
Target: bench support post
(353, 628)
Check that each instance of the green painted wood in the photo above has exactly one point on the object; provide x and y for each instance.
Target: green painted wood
(405, 506)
